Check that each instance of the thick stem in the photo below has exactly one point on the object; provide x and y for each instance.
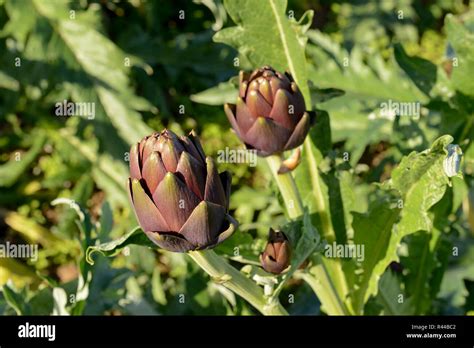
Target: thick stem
(337, 276)
(327, 229)
(223, 273)
(287, 187)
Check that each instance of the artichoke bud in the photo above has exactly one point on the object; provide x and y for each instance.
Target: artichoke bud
(277, 254)
(269, 115)
(180, 200)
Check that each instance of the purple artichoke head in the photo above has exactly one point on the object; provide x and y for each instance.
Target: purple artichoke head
(277, 254)
(179, 198)
(270, 114)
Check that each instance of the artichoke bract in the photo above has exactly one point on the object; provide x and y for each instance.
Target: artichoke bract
(277, 254)
(270, 115)
(180, 200)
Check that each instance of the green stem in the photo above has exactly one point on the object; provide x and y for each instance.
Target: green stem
(324, 281)
(324, 266)
(327, 229)
(322, 284)
(287, 187)
(223, 273)
(327, 288)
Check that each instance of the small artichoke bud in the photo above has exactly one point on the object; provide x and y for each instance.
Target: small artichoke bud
(180, 200)
(277, 254)
(270, 114)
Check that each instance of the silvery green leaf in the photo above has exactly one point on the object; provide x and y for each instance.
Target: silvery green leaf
(421, 183)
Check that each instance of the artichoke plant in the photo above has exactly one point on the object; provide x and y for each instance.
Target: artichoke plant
(270, 114)
(277, 254)
(179, 199)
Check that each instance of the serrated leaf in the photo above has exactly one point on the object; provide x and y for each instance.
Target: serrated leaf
(373, 230)
(421, 182)
(266, 36)
(335, 67)
(136, 236)
(356, 116)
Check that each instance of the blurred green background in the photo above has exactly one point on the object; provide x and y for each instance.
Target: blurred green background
(153, 64)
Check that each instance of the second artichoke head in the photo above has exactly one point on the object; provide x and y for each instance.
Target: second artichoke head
(270, 114)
